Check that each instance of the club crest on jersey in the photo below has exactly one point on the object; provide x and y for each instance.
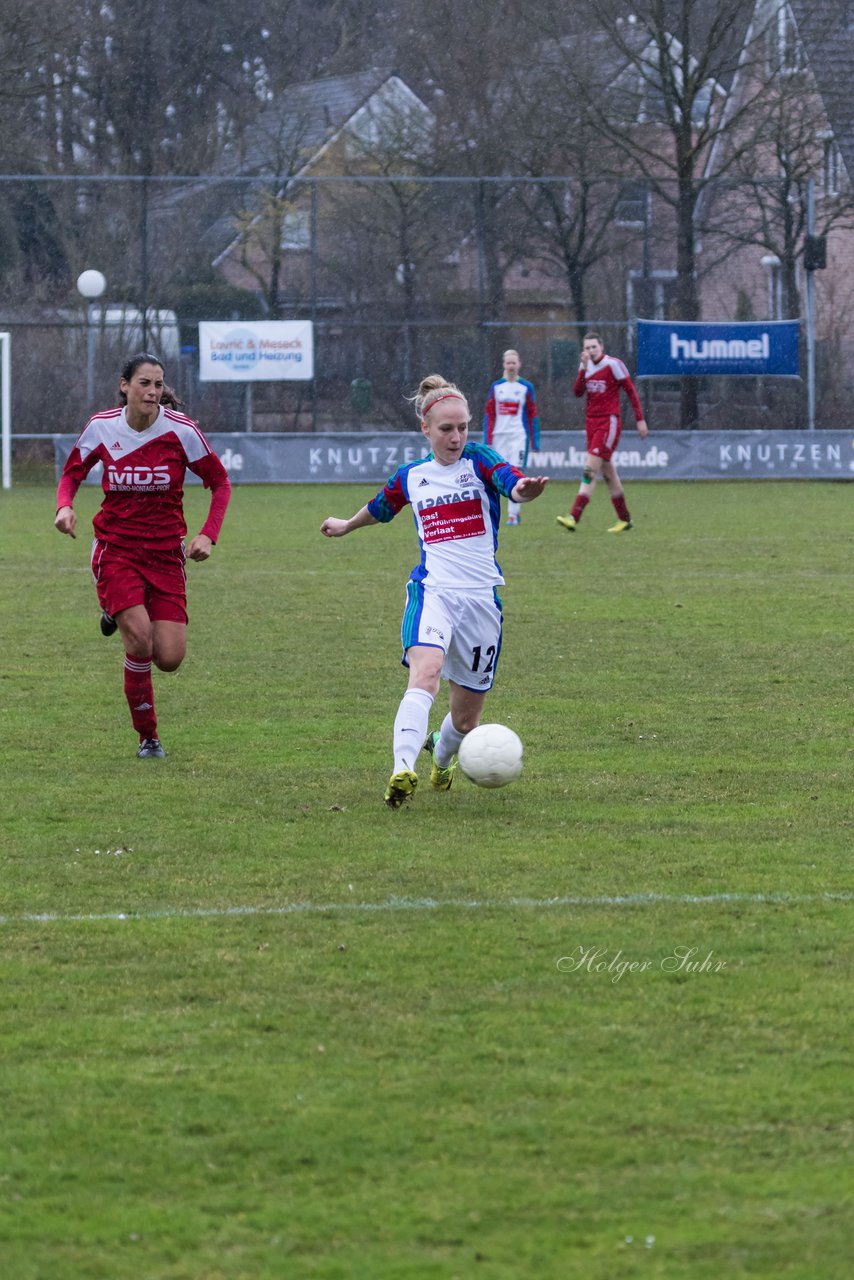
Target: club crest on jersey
(135, 478)
(467, 477)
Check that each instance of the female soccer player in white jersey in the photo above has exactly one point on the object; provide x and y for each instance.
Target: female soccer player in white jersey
(452, 620)
(138, 553)
(510, 421)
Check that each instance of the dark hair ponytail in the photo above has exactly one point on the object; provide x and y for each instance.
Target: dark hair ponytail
(169, 398)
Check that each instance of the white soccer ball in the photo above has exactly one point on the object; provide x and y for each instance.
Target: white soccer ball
(491, 755)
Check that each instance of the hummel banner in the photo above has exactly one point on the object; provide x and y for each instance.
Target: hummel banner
(678, 348)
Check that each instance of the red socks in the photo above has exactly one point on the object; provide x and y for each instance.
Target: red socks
(578, 506)
(139, 692)
(619, 504)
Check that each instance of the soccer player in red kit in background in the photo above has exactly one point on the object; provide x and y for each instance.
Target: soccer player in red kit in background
(601, 378)
(138, 553)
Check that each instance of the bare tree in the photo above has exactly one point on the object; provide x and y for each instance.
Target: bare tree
(143, 88)
(788, 159)
(276, 216)
(33, 255)
(572, 221)
(400, 224)
(465, 63)
(665, 86)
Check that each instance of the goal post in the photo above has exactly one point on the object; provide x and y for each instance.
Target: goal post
(6, 408)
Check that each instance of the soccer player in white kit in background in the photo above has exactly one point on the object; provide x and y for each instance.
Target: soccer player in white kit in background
(452, 620)
(510, 422)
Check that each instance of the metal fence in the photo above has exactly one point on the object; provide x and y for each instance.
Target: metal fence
(401, 276)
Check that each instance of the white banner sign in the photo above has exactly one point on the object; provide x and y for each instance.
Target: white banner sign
(256, 350)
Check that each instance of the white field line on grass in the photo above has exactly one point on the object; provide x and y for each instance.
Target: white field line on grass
(434, 904)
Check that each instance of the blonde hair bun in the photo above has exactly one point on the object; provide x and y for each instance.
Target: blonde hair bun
(432, 388)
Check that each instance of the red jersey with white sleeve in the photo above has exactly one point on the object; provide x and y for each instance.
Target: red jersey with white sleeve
(601, 383)
(143, 479)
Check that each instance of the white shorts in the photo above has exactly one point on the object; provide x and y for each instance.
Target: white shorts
(512, 445)
(467, 626)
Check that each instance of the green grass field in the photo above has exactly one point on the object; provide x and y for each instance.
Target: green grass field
(257, 1025)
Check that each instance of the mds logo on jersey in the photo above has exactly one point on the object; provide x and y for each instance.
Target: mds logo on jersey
(138, 477)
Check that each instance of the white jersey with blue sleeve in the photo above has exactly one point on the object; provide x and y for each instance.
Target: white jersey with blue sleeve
(457, 512)
(510, 415)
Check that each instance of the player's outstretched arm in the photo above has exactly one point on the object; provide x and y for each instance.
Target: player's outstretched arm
(332, 527)
(66, 521)
(529, 488)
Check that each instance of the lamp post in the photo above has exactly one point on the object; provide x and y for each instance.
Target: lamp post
(90, 285)
(810, 266)
(772, 265)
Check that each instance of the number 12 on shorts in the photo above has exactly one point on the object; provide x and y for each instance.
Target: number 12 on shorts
(478, 655)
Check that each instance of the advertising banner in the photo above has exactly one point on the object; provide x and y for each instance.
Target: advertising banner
(707, 455)
(262, 458)
(256, 351)
(676, 349)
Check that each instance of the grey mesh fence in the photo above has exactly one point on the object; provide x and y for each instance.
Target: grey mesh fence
(401, 276)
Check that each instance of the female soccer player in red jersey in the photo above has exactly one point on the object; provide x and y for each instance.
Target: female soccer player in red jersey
(146, 446)
(601, 378)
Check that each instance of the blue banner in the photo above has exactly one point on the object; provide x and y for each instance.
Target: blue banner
(679, 348)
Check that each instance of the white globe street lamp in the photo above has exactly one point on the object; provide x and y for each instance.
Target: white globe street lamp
(771, 263)
(90, 285)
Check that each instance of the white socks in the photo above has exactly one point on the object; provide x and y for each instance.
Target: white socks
(410, 727)
(448, 744)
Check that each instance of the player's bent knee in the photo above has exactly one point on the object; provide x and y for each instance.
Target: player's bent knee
(588, 475)
(429, 684)
(425, 668)
(170, 660)
(138, 640)
(464, 720)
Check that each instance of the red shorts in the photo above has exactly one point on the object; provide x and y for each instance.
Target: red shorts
(155, 579)
(603, 437)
